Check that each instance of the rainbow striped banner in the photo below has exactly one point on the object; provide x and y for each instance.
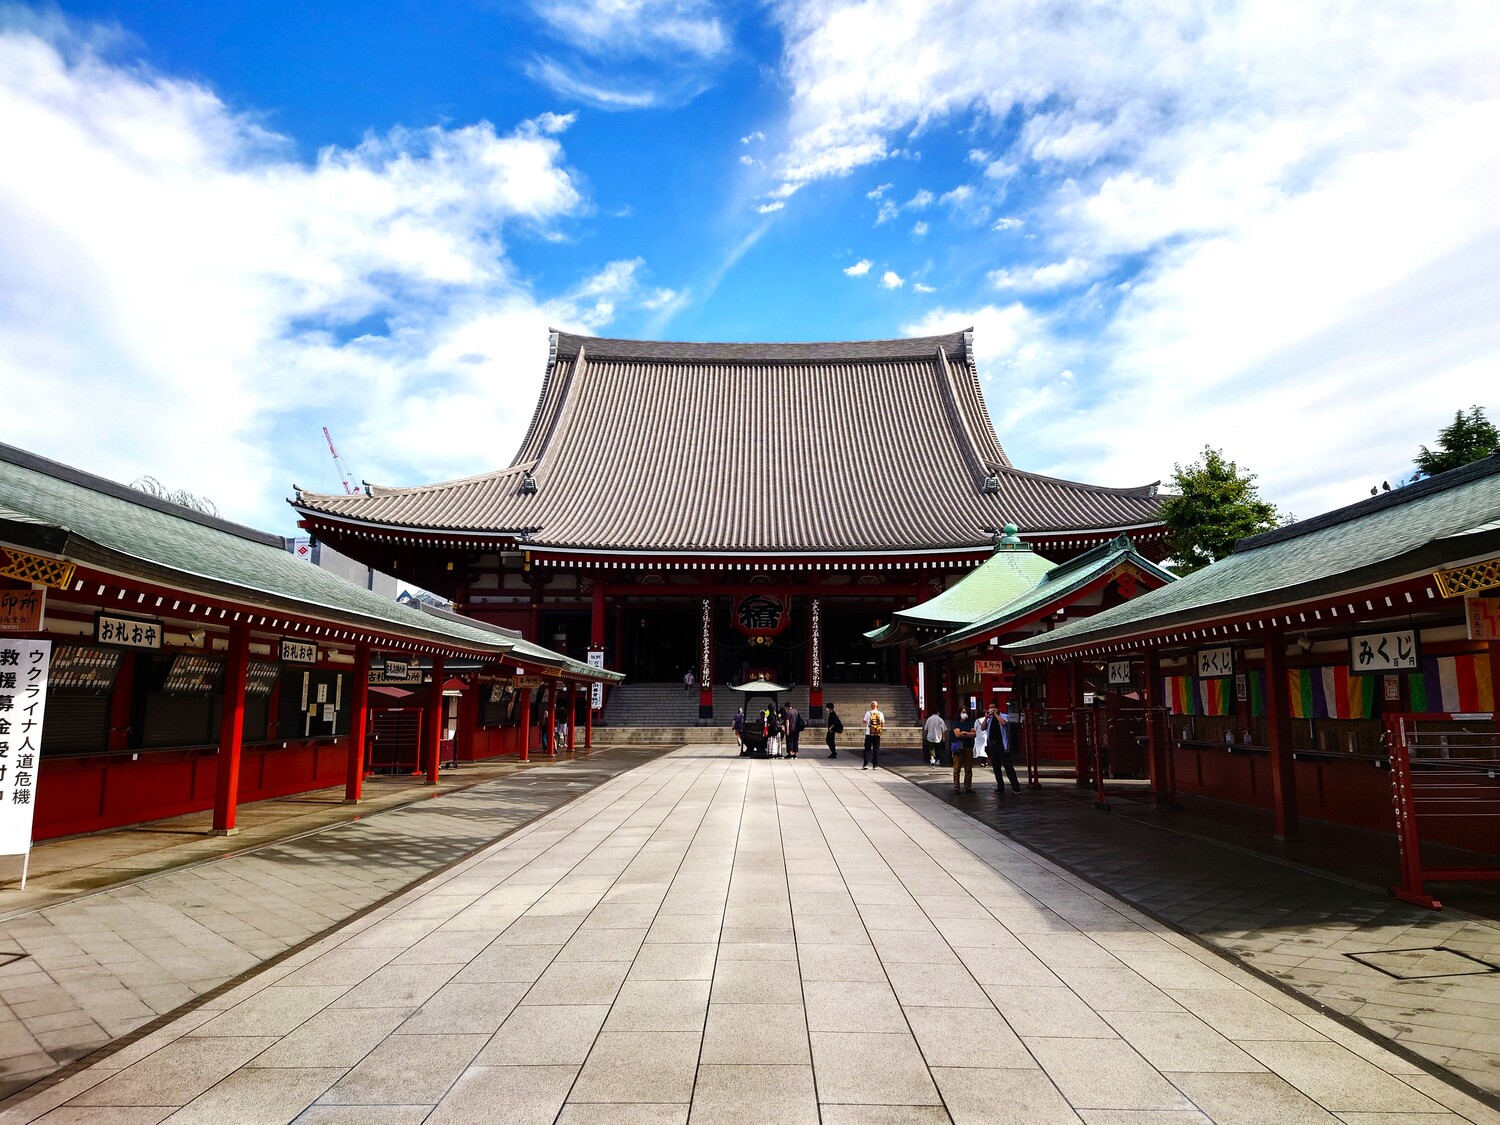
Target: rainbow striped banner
(1330, 693)
(1257, 691)
(1177, 693)
(1215, 695)
(1451, 684)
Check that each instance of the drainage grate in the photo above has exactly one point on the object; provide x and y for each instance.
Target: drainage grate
(1421, 964)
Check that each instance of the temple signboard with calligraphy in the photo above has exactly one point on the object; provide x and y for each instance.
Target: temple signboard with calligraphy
(21, 610)
(1374, 653)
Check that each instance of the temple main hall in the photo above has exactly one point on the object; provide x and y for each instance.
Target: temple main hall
(733, 511)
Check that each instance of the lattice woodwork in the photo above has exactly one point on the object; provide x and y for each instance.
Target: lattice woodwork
(36, 568)
(1471, 579)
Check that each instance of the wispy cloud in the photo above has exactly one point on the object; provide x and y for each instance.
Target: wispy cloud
(630, 54)
(891, 280)
(859, 268)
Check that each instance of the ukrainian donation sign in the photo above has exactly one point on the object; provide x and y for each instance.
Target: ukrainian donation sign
(23, 705)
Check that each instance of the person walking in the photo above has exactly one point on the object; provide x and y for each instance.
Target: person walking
(934, 737)
(795, 724)
(739, 729)
(834, 729)
(963, 752)
(773, 732)
(688, 681)
(874, 727)
(1000, 750)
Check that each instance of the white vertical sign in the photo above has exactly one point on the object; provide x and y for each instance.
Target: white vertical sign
(23, 706)
(921, 687)
(596, 689)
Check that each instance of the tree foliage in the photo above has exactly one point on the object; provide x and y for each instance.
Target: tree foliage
(1215, 504)
(153, 487)
(1468, 438)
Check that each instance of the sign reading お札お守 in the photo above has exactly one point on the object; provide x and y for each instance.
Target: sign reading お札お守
(23, 705)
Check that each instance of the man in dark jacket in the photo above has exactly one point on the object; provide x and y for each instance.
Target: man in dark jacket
(834, 729)
(795, 725)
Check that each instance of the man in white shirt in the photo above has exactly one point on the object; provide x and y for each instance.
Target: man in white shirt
(874, 726)
(934, 737)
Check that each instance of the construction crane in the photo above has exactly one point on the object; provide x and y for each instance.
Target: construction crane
(344, 474)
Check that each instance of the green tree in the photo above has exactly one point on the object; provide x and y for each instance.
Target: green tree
(1215, 504)
(1468, 438)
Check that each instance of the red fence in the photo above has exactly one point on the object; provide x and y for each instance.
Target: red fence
(1443, 767)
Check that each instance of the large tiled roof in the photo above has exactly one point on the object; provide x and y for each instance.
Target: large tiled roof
(85, 519)
(1392, 536)
(882, 445)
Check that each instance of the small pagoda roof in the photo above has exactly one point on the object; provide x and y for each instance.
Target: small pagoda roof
(1055, 588)
(1435, 523)
(640, 446)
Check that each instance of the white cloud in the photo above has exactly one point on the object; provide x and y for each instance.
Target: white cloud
(1287, 182)
(197, 301)
(1056, 275)
(918, 287)
(630, 54)
(919, 229)
(878, 192)
(768, 208)
(891, 280)
(646, 27)
(749, 161)
(757, 135)
(859, 268)
(921, 200)
(887, 211)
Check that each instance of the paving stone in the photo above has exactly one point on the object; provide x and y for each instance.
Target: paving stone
(651, 1005)
(405, 1070)
(1002, 1097)
(176, 1073)
(876, 1069)
(651, 1066)
(334, 1037)
(728, 1094)
(678, 961)
(756, 1033)
(258, 1095)
(505, 1095)
(545, 1035)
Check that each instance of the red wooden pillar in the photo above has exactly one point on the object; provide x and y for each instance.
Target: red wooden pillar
(434, 720)
(526, 710)
(596, 618)
(120, 703)
(1279, 716)
(572, 715)
(1075, 713)
(359, 716)
(552, 718)
(1158, 744)
(231, 732)
(1495, 679)
(588, 720)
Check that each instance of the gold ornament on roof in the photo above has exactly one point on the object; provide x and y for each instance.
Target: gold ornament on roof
(36, 568)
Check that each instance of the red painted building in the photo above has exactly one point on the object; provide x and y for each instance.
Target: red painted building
(195, 664)
(731, 510)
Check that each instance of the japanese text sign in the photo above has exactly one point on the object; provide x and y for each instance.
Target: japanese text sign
(1214, 663)
(21, 610)
(1384, 652)
(596, 689)
(298, 652)
(1119, 671)
(127, 632)
(23, 705)
(1483, 615)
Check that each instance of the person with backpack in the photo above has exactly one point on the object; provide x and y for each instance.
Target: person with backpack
(773, 732)
(835, 728)
(795, 725)
(874, 727)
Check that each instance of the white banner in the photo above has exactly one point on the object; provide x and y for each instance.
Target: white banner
(23, 706)
(596, 689)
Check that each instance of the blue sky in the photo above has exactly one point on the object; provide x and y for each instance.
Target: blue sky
(1266, 227)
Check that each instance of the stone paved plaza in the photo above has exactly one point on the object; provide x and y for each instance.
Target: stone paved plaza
(710, 939)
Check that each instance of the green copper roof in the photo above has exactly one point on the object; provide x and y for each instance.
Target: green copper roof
(1397, 534)
(88, 520)
(1001, 577)
(1056, 586)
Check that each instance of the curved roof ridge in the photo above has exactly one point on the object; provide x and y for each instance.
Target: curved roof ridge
(380, 490)
(1131, 490)
(823, 351)
(525, 452)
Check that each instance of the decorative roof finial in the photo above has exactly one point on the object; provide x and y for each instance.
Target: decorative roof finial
(528, 485)
(991, 484)
(1006, 539)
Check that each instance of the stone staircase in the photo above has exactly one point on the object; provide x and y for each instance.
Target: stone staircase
(657, 705)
